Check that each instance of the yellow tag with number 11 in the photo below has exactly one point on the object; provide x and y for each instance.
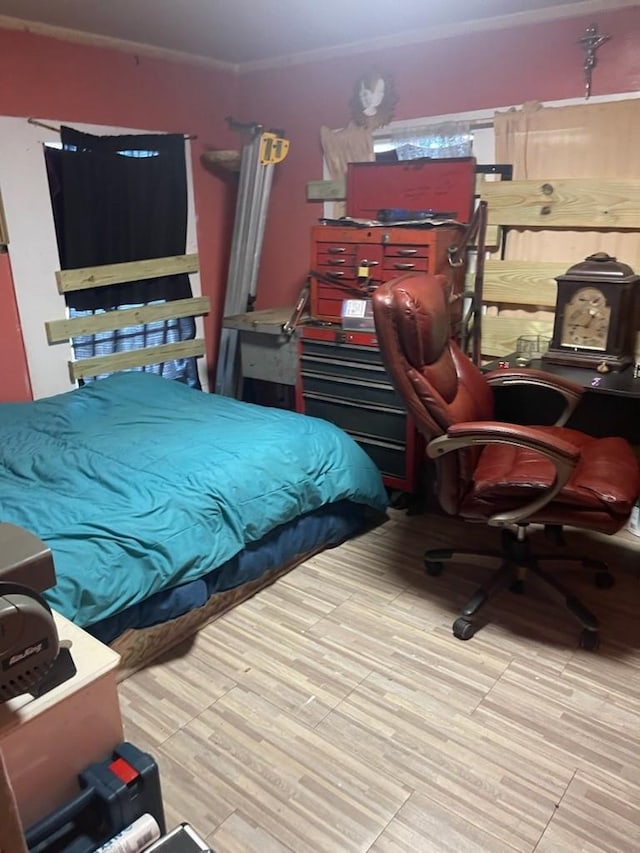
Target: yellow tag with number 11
(273, 148)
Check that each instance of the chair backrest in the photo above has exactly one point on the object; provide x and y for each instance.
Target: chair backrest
(438, 383)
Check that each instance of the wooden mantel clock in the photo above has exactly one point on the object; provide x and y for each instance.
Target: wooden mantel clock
(596, 315)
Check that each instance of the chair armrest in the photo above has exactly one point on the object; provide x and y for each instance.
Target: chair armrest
(561, 453)
(571, 391)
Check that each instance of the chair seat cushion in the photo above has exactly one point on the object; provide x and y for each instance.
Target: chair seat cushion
(602, 489)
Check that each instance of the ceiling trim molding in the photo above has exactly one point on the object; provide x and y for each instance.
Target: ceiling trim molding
(123, 45)
(552, 13)
(533, 16)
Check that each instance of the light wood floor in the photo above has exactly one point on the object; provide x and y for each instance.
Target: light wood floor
(335, 711)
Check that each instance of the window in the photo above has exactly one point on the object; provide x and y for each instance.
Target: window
(452, 139)
(138, 337)
(119, 199)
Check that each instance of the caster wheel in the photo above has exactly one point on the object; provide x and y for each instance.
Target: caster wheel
(463, 629)
(589, 640)
(433, 568)
(604, 580)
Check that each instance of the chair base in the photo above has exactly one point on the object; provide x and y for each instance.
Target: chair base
(516, 560)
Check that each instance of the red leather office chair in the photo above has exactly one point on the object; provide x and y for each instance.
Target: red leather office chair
(502, 474)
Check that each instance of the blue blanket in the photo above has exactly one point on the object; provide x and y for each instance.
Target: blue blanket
(138, 483)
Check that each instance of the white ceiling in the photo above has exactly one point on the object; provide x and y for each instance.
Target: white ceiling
(263, 32)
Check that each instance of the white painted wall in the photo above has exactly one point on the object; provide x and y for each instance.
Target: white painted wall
(33, 249)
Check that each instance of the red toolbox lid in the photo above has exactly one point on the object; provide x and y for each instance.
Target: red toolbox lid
(442, 186)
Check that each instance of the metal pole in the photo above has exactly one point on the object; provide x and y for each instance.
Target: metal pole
(241, 229)
(248, 234)
(479, 284)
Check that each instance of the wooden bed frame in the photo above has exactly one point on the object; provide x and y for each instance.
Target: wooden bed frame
(140, 647)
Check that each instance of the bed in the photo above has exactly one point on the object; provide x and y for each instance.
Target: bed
(157, 500)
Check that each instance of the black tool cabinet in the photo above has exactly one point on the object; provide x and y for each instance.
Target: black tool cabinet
(342, 379)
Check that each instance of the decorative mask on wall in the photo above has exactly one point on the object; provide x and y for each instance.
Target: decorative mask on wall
(373, 100)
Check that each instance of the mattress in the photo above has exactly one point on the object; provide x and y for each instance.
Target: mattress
(139, 484)
(279, 550)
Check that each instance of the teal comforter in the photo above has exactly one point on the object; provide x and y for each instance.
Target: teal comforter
(138, 483)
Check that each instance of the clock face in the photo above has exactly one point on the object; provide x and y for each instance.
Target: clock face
(586, 320)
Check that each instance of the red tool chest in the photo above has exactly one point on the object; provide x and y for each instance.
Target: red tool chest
(342, 377)
(442, 186)
(350, 261)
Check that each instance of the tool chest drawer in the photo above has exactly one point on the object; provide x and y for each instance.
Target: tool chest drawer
(330, 343)
(391, 459)
(396, 266)
(369, 393)
(343, 368)
(343, 380)
(352, 416)
(409, 250)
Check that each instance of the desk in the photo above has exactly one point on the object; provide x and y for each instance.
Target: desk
(610, 406)
(266, 352)
(47, 741)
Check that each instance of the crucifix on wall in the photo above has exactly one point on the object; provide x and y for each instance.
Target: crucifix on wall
(590, 42)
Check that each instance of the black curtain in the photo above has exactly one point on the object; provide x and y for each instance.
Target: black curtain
(118, 199)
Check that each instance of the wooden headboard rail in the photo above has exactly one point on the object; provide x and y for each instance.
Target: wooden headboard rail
(102, 276)
(135, 358)
(110, 274)
(567, 204)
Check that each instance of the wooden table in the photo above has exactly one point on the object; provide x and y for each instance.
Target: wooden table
(266, 352)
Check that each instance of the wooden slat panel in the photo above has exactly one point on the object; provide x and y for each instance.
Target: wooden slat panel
(326, 190)
(103, 276)
(499, 334)
(135, 358)
(493, 236)
(492, 239)
(229, 160)
(571, 203)
(63, 330)
(520, 282)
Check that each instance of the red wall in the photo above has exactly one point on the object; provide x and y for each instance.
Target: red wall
(488, 69)
(48, 78)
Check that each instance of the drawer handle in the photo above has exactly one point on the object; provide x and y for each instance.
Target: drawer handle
(336, 262)
(336, 250)
(337, 274)
(404, 253)
(404, 266)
